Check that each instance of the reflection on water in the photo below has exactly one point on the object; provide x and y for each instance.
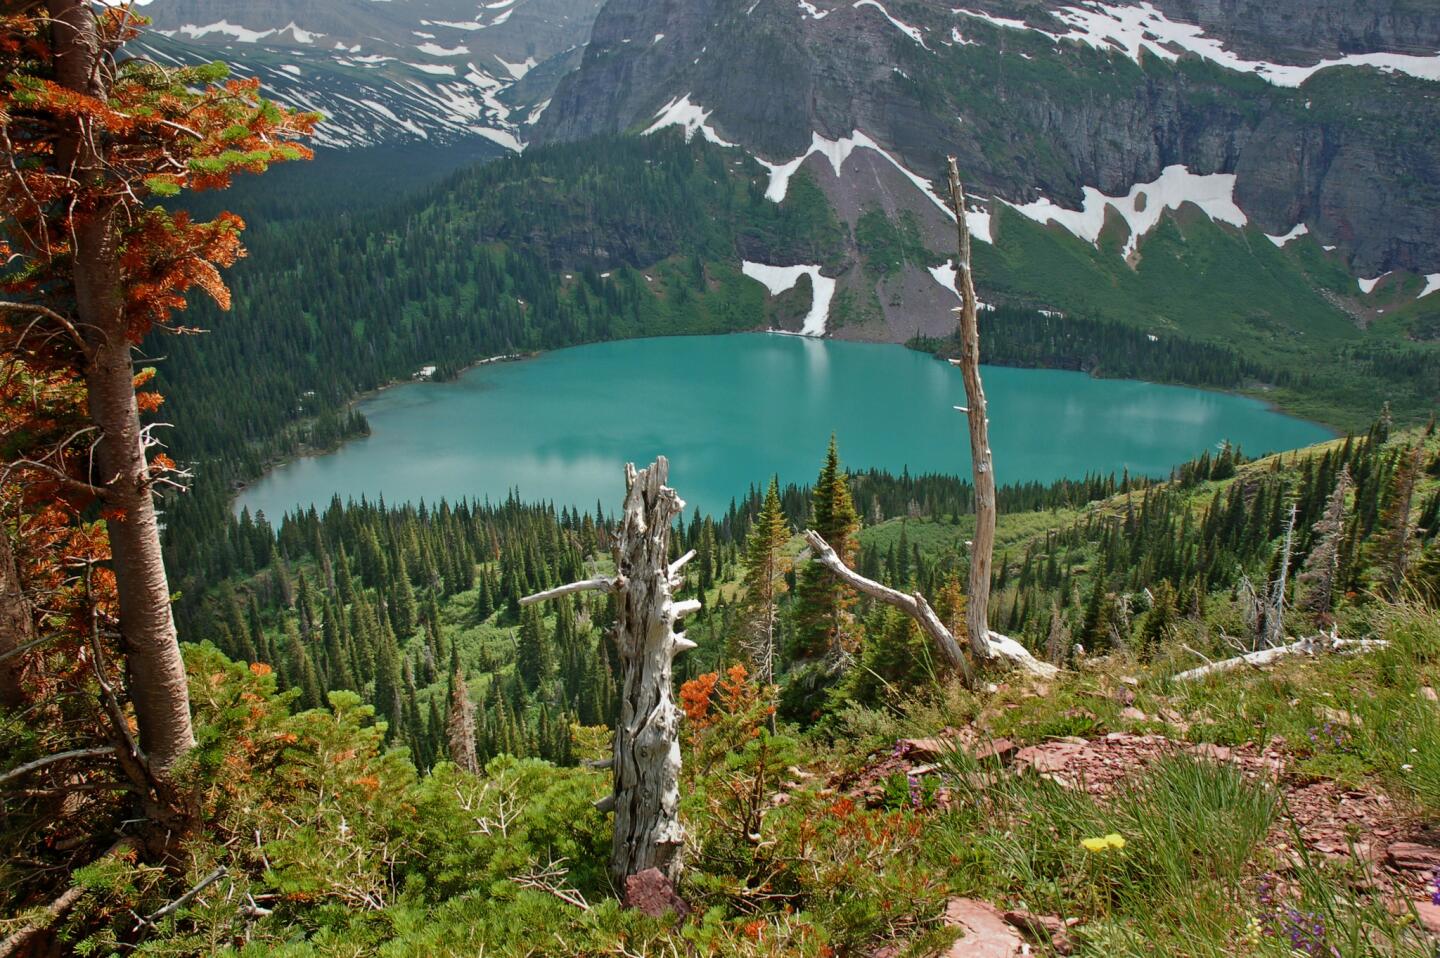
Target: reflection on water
(730, 410)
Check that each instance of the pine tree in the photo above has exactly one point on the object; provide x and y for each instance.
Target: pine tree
(389, 683)
(765, 568)
(1159, 624)
(460, 726)
(534, 657)
(1391, 551)
(822, 601)
(302, 669)
(1322, 566)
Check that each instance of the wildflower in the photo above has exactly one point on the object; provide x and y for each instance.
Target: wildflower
(1098, 846)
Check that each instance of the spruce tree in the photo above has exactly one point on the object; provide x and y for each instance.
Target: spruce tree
(460, 729)
(534, 658)
(1391, 551)
(764, 581)
(302, 670)
(1319, 576)
(822, 601)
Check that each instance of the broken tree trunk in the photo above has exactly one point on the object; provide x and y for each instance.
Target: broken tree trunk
(977, 616)
(1001, 647)
(1309, 646)
(646, 799)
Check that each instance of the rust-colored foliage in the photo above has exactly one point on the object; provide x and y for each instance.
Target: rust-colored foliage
(86, 157)
(162, 130)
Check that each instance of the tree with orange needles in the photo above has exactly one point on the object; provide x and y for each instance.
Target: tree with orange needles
(91, 140)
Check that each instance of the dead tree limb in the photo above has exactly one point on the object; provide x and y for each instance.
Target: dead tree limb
(977, 615)
(646, 796)
(915, 606)
(1309, 646)
(20, 771)
(597, 584)
(184, 899)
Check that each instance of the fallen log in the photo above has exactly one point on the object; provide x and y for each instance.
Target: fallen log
(1313, 645)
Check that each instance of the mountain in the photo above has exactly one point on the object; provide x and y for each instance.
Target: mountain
(386, 73)
(1313, 124)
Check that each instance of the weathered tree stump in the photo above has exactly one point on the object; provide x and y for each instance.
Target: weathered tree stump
(646, 764)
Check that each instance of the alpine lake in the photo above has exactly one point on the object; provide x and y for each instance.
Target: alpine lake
(730, 411)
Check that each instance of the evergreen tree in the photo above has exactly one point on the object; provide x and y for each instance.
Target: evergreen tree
(534, 657)
(822, 601)
(1391, 552)
(1322, 566)
(765, 568)
(302, 670)
(460, 732)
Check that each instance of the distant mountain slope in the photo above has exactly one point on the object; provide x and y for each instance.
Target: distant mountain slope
(389, 72)
(1316, 124)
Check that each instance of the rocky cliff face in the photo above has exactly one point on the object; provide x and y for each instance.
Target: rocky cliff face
(423, 70)
(1325, 112)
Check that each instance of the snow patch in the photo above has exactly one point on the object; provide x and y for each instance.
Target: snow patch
(436, 50)
(225, 28)
(1133, 29)
(810, 11)
(780, 279)
(838, 151)
(903, 27)
(1432, 285)
(1367, 286)
(1280, 241)
(1143, 206)
(518, 70)
(947, 276)
(434, 69)
(690, 117)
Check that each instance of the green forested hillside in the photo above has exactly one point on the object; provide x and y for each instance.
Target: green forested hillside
(345, 841)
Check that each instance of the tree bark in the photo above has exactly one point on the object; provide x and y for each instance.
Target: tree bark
(1001, 647)
(646, 797)
(155, 671)
(17, 627)
(977, 615)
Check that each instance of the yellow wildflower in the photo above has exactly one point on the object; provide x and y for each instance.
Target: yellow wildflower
(1098, 846)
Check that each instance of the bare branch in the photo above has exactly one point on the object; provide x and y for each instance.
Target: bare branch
(915, 606)
(598, 584)
(20, 771)
(184, 899)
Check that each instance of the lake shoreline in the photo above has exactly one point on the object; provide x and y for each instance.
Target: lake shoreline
(808, 380)
(238, 489)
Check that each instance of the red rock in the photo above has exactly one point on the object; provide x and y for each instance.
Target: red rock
(1217, 753)
(925, 749)
(986, 933)
(652, 894)
(1427, 693)
(1132, 714)
(1413, 857)
(1043, 929)
(1001, 748)
(1429, 913)
(1055, 757)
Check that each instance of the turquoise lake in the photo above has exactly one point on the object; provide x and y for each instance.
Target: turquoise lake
(731, 410)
